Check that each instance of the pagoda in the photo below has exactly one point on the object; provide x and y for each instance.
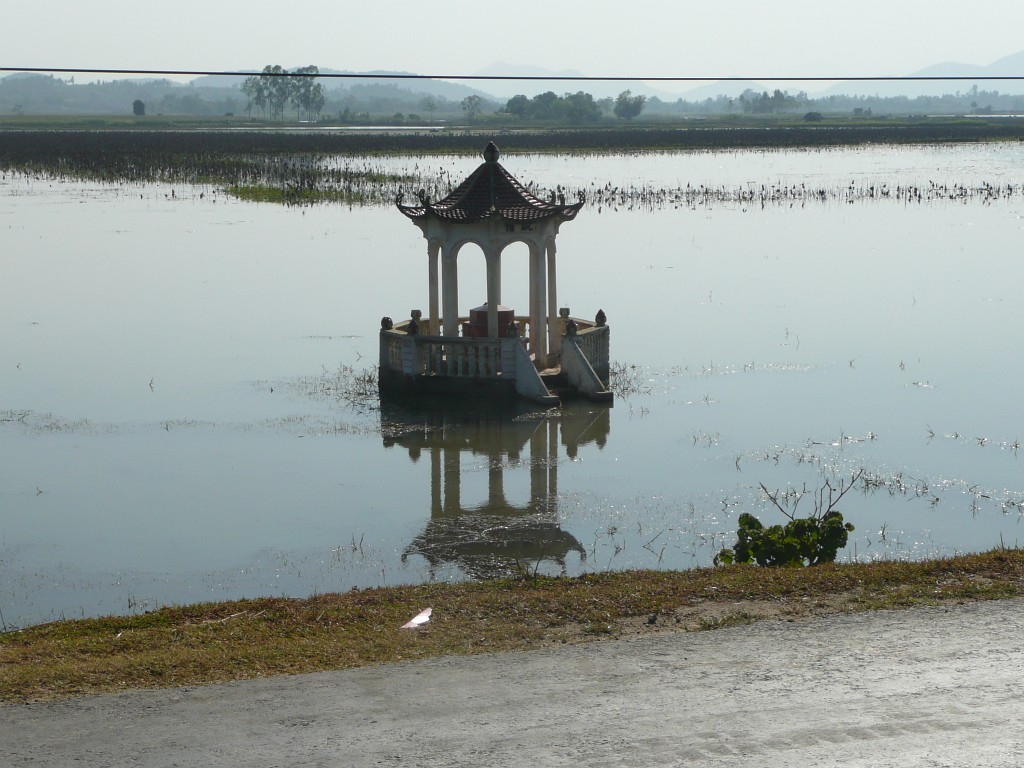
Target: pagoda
(541, 356)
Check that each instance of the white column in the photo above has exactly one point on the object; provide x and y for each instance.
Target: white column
(493, 291)
(434, 318)
(539, 313)
(554, 337)
(531, 310)
(450, 291)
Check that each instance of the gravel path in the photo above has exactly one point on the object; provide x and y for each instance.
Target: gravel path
(927, 687)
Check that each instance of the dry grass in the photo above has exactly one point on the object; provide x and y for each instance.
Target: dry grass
(207, 643)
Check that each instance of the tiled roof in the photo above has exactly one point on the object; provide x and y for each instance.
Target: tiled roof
(488, 192)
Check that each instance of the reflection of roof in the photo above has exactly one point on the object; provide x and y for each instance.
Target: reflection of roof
(488, 546)
(490, 191)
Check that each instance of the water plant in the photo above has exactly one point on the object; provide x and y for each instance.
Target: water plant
(802, 541)
(626, 380)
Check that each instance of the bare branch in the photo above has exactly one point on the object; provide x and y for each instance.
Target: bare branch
(843, 489)
(775, 500)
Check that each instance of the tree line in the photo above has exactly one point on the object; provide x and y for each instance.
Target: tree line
(579, 107)
(273, 93)
(275, 88)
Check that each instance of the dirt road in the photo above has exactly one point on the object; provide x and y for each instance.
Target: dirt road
(931, 687)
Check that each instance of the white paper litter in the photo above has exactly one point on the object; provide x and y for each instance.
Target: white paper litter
(420, 618)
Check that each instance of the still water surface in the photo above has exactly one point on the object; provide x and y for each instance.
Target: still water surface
(171, 427)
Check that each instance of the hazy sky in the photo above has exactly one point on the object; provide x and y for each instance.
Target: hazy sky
(719, 38)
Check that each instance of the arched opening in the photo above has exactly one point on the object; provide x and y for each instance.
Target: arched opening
(515, 278)
(472, 277)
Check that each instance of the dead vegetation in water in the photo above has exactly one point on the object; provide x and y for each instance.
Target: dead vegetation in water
(34, 422)
(347, 385)
(322, 168)
(215, 642)
(627, 380)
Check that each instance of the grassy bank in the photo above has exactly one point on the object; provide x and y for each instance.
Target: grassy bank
(65, 146)
(215, 642)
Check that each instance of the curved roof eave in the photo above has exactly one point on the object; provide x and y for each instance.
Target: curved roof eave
(488, 192)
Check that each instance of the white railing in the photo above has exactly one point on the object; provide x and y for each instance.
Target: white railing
(594, 344)
(472, 357)
(443, 356)
(522, 326)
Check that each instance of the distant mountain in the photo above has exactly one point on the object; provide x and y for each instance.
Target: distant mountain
(221, 81)
(1012, 65)
(1008, 66)
(503, 90)
(369, 92)
(12, 76)
(425, 87)
(730, 88)
(422, 86)
(232, 80)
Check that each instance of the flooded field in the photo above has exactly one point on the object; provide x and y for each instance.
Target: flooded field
(181, 418)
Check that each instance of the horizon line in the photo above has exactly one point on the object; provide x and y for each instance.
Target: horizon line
(552, 78)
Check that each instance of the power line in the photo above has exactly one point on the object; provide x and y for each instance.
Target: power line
(545, 78)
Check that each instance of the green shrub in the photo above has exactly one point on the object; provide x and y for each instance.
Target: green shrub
(802, 541)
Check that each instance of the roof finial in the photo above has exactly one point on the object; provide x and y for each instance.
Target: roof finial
(491, 152)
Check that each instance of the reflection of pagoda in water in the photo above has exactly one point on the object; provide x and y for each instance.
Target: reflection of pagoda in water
(493, 538)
